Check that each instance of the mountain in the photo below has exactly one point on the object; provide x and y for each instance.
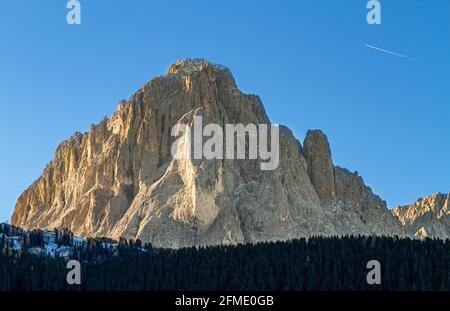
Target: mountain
(428, 217)
(120, 179)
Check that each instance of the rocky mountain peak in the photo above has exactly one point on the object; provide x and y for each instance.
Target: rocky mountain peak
(436, 204)
(191, 65)
(428, 216)
(120, 180)
(317, 152)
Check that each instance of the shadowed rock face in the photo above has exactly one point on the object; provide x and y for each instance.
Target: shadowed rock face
(349, 204)
(120, 179)
(317, 153)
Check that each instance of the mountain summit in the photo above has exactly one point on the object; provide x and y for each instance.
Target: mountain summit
(121, 180)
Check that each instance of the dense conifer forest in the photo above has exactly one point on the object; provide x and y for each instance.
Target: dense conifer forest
(317, 264)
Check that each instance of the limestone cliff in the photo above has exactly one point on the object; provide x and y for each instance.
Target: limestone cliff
(428, 217)
(350, 205)
(120, 178)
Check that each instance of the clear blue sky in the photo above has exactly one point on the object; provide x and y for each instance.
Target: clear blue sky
(386, 117)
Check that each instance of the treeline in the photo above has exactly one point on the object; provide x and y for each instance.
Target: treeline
(36, 238)
(319, 264)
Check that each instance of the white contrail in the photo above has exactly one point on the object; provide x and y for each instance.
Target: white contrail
(392, 53)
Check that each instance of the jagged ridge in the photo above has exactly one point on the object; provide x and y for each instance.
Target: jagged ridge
(120, 179)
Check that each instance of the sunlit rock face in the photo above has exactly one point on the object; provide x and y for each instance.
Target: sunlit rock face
(428, 217)
(120, 179)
